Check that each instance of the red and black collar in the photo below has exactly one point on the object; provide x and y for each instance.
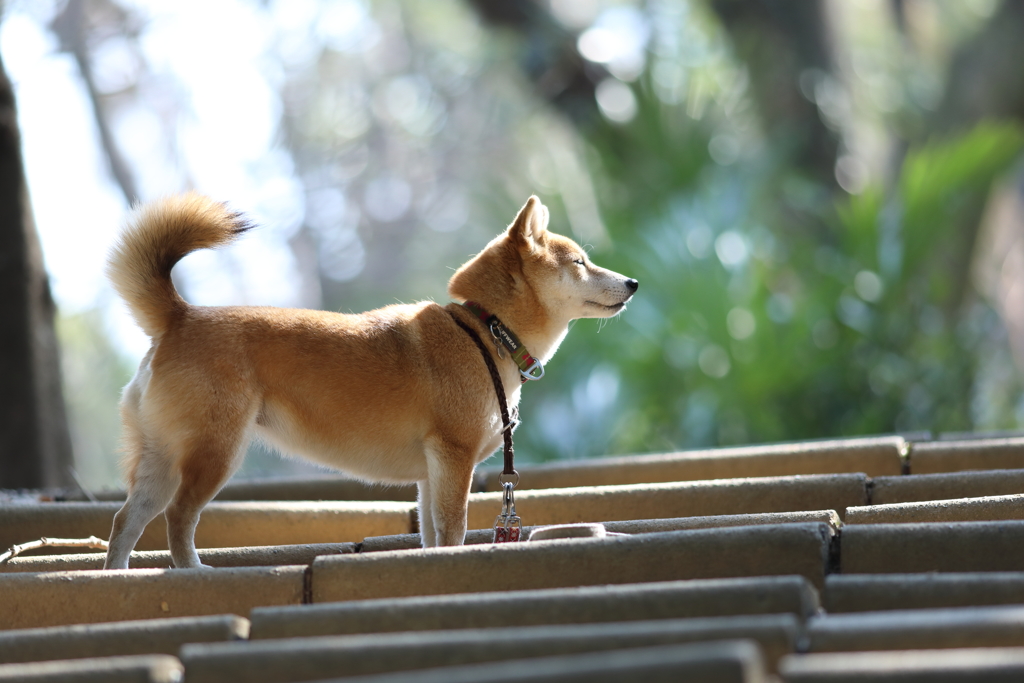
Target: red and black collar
(529, 367)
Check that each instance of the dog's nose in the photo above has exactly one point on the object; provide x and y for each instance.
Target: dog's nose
(632, 284)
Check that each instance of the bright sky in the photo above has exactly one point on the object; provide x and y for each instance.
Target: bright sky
(224, 115)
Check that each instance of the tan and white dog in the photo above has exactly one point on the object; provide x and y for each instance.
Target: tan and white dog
(399, 394)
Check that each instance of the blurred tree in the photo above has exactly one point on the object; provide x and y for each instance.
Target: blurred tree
(983, 84)
(80, 22)
(35, 446)
(796, 194)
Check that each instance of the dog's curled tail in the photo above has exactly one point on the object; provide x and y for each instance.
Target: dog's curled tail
(155, 237)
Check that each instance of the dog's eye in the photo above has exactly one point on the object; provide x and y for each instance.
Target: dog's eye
(579, 262)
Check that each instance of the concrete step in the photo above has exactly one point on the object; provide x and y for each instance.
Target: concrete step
(970, 454)
(988, 508)
(223, 525)
(957, 627)
(728, 661)
(137, 669)
(951, 547)
(64, 598)
(152, 636)
(578, 605)
(651, 526)
(801, 549)
(637, 526)
(253, 556)
(946, 485)
(872, 592)
(875, 456)
(676, 499)
(228, 525)
(299, 659)
(991, 665)
(326, 487)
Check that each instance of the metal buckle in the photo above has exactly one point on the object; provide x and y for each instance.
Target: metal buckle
(528, 373)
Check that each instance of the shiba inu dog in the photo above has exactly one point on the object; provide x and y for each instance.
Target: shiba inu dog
(398, 394)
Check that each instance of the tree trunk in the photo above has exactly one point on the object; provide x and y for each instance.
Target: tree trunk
(549, 57)
(35, 444)
(780, 41)
(984, 79)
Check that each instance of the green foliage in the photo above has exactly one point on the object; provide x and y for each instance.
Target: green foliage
(767, 313)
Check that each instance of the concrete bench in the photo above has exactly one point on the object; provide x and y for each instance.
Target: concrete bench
(737, 661)
(255, 556)
(676, 499)
(871, 592)
(958, 627)
(874, 456)
(992, 665)
(329, 487)
(375, 544)
(988, 508)
(945, 485)
(297, 659)
(223, 525)
(801, 549)
(577, 605)
(951, 547)
(137, 669)
(152, 636)
(64, 598)
(969, 454)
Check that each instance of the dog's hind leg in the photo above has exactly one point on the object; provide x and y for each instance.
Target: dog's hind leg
(428, 538)
(152, 484)
(206, 467)
(152, 476)
(450, 479)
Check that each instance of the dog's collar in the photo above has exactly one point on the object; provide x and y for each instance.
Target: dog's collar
(529, 367)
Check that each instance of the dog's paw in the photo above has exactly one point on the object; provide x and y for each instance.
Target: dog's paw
(192, 564)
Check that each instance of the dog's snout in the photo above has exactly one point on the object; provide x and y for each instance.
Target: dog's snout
(632, 284)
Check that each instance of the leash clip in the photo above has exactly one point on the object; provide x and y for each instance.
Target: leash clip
(508, 528)
(495, 337)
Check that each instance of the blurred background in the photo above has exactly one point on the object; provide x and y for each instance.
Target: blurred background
(823, 201)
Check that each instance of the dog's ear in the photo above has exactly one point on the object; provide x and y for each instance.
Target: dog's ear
(531, 224)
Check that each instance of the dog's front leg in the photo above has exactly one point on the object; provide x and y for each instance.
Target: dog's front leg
(450, 476)
(428, 538)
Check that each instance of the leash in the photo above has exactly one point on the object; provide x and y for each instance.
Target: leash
(507, 526)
